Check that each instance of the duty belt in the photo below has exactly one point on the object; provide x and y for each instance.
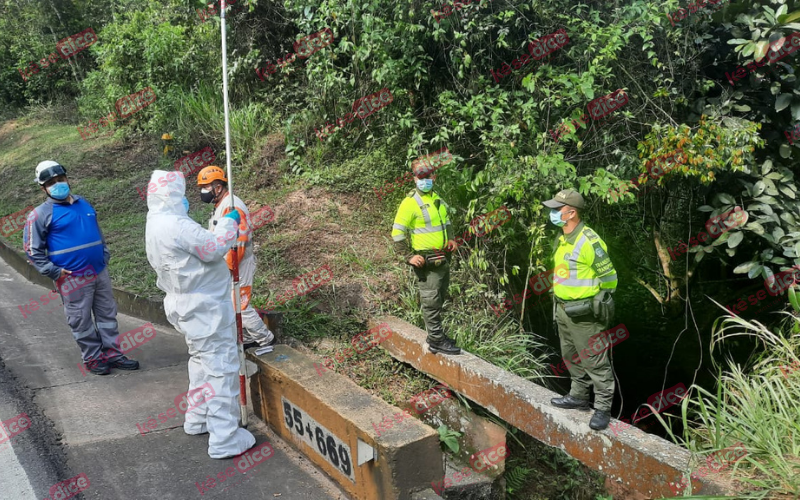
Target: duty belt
(428, 252)
(561, 301)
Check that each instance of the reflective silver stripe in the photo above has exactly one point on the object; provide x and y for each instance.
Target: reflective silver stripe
(79, 247)
(83, 334)
(399, 227)
(576, 282)
(423, 230)
(103, 324)
(579, 245)
(399, 237)
(610, 277)
(576, 253)
(425, 215)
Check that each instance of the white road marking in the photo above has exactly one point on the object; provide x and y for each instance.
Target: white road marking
(13, 480)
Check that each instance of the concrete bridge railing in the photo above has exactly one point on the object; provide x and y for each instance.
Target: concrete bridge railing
(641, 463)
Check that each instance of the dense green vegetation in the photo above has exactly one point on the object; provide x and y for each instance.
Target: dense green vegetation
(680, 98)
(757, 404)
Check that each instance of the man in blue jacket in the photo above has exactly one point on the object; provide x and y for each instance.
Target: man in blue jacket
(63, 242)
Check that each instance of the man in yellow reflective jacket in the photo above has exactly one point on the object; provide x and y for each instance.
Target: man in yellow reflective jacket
(583, 286)
(423, 215)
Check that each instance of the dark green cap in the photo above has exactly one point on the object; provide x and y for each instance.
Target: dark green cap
(565, 197)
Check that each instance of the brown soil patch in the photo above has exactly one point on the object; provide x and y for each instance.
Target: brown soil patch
(122, 157)
(271, 154)
(7, 128)
(314, 239)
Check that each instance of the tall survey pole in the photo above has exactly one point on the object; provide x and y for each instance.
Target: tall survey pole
(234, 250)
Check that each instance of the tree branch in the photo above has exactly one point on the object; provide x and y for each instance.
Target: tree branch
(651, 290)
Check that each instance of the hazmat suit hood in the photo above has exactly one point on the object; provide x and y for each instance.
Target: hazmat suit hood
(169, 193)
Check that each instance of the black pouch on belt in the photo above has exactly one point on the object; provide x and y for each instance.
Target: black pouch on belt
(603, 305)
(575, 308)
(436, 259)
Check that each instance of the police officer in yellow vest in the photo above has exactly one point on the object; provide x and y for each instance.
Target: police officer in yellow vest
(424, 215)
(585, 280)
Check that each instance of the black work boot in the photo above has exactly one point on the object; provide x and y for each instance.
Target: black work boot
(98, 367)
(600, 420)
(124, 363)
(445, 346)
(569, 403)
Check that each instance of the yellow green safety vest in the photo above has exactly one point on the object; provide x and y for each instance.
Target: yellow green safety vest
(419, 215)
(582, 266)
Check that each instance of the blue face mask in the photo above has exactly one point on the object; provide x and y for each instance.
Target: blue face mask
(555, 217)
(59, 190)
(424, 185)
(185, 204)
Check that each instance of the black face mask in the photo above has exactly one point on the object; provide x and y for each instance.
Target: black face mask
(207, 197)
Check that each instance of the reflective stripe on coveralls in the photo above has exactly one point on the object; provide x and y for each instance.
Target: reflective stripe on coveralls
(79, 247)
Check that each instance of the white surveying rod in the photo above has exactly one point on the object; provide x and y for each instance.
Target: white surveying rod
(234, 250)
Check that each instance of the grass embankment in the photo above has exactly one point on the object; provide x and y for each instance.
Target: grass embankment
(102, 170)
(319, 219)
(757, 405)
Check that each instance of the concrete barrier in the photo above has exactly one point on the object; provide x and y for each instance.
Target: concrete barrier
(478, 433)
(127, 302)
(333, 422)
(641, 463)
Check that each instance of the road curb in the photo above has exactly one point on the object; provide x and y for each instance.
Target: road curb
(127, 302)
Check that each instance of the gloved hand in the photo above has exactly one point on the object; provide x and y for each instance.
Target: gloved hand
(234, 214)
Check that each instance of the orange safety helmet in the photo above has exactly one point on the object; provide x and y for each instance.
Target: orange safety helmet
(210, 174)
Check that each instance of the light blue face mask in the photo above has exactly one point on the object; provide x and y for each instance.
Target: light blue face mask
(424, 185)
(185, 204)
(555, 217)
(59, 190)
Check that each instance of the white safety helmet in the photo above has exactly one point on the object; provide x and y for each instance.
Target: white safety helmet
(48, 169)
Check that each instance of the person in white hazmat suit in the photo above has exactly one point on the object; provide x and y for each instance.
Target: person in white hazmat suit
(190, 264)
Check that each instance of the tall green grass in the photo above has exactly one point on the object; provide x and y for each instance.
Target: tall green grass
(199, 117)
(757, 404)
(477, 330)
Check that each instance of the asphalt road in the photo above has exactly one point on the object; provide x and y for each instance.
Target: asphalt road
(85, 426)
